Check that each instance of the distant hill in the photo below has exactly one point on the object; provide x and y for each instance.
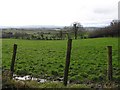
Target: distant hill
(40, 27)
(31, 27)
(91, 28)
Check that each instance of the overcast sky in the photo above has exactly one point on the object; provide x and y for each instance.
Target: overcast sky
(57, 12)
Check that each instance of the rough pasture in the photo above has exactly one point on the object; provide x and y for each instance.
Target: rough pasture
(46, 59)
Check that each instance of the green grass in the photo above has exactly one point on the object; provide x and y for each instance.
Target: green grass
(47, 58)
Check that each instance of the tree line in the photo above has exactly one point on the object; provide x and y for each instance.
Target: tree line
(113, 30)
(76, 31)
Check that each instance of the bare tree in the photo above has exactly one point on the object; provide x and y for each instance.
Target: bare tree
(61, 34)
(76, 26)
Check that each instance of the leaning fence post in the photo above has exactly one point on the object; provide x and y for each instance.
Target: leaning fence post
(13, 61)
(109, 63)
(69, 45)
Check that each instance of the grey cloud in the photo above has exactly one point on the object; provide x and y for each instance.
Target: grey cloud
(119, 10)
(103, 10)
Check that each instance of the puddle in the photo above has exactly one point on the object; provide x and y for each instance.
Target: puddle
(28, 77)
(39, 80)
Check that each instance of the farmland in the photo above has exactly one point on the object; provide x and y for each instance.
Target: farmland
(46, 59)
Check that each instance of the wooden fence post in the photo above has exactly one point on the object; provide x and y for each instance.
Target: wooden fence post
(109, 63)
(69, 45)
(13, 60)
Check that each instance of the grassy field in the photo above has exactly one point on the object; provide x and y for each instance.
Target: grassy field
(46, 59)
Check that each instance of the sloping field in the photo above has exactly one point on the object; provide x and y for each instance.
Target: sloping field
(46, 59)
